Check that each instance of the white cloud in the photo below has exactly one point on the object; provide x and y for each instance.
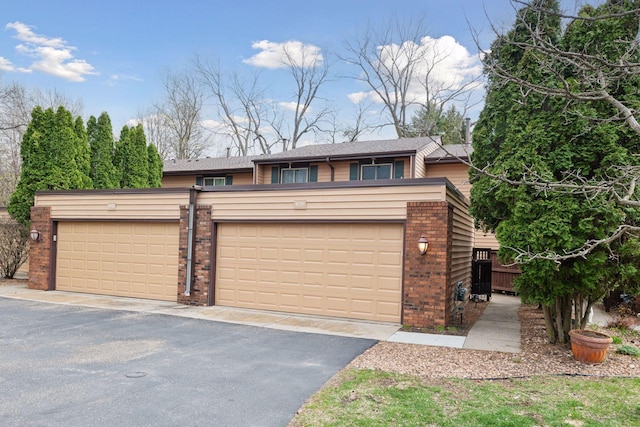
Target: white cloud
(291, 106)
(280, 55)
(6, 65)
(115, 79)
(51, 55)
(445, 64)
(357, 97)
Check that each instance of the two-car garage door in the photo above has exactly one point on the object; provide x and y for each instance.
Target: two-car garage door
(131, 259)
(332, 269)
(342, 270)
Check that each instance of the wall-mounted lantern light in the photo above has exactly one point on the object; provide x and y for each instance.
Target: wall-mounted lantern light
(423, 244)
(35, 234)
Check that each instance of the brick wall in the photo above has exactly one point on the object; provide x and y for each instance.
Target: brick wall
(427, 278)
(40, 251)
(201, 279)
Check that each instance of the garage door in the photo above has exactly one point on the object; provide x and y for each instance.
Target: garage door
(342, 270)
(118, 258)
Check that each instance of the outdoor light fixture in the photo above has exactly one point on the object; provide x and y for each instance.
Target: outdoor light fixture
(423, 244)
(35, 234)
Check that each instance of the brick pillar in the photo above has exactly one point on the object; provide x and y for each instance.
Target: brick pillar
(427, 287)
(201, 256)
(40, 251)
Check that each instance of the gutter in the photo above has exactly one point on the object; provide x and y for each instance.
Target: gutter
(191, 237)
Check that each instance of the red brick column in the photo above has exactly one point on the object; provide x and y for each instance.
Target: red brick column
(427, 287)
(40, 250)
(201, 257)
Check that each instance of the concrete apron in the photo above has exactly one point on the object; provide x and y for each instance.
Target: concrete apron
(498, 329)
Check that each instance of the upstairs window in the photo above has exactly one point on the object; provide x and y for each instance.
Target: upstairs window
(294, 175)
(369, 170)
(212, 181)
(378, 171)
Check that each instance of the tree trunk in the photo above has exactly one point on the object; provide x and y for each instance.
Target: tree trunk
(549, 323)
(557, 319)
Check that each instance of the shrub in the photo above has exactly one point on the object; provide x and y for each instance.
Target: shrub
(629, 350)
(14, 248)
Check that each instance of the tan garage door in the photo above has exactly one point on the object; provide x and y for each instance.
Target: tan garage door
(118, 258)
(342, 270)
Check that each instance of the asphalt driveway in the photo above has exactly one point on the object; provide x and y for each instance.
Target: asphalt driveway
(73, 366)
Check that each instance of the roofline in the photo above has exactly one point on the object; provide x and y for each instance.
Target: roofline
(335, 184)
(206, 171)
(268, 187)
(357, 156)
(115, 191)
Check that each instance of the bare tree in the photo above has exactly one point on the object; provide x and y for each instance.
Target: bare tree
(156, 132)
(14, 117)
(241, 107)
(310, 72)
(352, 131)
(403, 68)
(16, 103)
(180, 114)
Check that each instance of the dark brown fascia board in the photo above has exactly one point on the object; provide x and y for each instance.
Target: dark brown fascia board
(117, 191)
(267, 187)
(336, 184)
(360, 156)
(207, 172)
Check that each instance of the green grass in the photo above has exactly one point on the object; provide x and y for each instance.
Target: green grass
(373, 398)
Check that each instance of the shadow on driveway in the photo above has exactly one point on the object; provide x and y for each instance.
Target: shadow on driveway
(73, 366)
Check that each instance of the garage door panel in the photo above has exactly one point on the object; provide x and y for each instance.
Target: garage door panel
(118, 258)
(341, 270)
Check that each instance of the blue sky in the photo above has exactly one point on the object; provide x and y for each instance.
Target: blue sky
(110, 54)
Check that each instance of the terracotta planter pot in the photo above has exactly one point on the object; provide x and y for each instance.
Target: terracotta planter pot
(589, 346)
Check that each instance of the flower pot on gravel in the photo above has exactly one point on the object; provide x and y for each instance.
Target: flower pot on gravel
(589, 346)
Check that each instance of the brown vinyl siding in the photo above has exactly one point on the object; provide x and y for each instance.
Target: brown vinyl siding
(156, 205)
(178, 181)
(351, 203)
(457, 173)
(485, 240)
(186, 181)
(462, 239)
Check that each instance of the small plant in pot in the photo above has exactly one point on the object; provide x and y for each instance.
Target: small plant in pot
(589, 346)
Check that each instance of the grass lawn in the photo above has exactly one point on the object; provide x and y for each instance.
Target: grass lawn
(374, 398)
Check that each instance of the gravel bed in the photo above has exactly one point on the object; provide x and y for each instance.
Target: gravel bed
(538, 358)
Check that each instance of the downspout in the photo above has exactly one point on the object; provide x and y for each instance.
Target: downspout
(191, 236)
(328, 160)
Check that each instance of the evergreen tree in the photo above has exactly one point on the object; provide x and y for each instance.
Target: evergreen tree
(522, 136)
(121, 157)
(83, 156)
(155, 167)
(449, 125)
(131, 158)
(51, 151)
(101, 143)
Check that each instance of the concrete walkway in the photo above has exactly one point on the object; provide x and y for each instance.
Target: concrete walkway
(498, 329)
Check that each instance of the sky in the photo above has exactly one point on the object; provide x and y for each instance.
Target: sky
(110, 55)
